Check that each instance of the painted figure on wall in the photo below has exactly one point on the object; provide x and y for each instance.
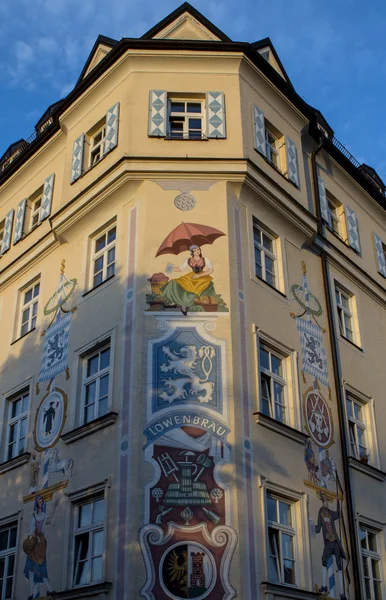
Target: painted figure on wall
(198, 283)
(35, 547)
(194, 291)
(332, 543)
(49, 416)
(34, 469)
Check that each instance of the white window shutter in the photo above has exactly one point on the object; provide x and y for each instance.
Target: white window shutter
(6, 241)
(157, 113)
(215, 115)
(77, 158)
(48, 190)
(19, 224)
(112, 121)
(380, 254)
(258, 130)
(323, 199)
(292, 161)
(352, 229)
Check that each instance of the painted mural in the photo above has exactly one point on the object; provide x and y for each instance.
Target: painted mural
(49, 470)
(187, 543)
(192, 291)
(321, 466)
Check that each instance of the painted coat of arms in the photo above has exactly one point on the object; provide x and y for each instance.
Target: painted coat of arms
(186, 369)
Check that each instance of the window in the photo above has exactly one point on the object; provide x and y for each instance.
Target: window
(265, 255)
(8, 537)
(29, 308)
(89, 542)
(2, 228)
(272, 148)
(103, 262)
(272, 383)
(35, 211)
(371, 562)
(185, 119)
(17, 425)
(281, 540)
(96, 384)
(97, 144)
(357, 428)
(345, 314)
(333, 217)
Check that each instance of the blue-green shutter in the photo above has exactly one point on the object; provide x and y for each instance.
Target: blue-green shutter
(112, 121)
(380, 254)
(157, 113)
(292, 161)
(19, 224)
(215, 115)
(323, 199)
(6, 241)
(352, 229)
(77, 158)
(48, 190)
(258, 130)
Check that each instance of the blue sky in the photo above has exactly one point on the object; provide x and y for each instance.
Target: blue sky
(333, 51)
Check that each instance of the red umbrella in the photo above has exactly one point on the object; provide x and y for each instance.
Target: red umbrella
(186, 235)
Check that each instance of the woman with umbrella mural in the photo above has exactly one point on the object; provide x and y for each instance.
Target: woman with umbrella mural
(193, 290)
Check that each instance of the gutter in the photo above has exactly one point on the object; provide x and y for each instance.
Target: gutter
(337, 366)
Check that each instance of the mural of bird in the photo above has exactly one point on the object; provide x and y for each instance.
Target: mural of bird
(179, 571)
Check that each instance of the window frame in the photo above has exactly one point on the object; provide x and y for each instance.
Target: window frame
(87, 380)
(281, 282)
(370, 555)
(343, 311)
(2, 230)
(95, 255)
(300, 515)
(90, 529)
(273, 378)
(272, 255)
(292, 390)
(100, 128)
(35, 211)
(281, 529)
(9, 523)
(23, 306)
(369, 421)
(184, 116)
(11, 421)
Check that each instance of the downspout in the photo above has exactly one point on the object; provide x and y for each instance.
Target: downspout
(338, 384)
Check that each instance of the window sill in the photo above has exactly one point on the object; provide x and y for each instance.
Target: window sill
(85, 591)
(13, 463)
(353, 344)
(289, 432)
(344, 242)
(272, 287)
(23, 336)
(98, 286)
(201, 139)
(278, 170)
(80, 432)
(90, 168)
(280, 590)
(357, 464)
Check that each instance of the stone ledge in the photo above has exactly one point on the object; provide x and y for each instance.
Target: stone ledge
(290, 432)
(8, 465)
(85, 591)
(278, 590)
(89, 428)
(367, 469)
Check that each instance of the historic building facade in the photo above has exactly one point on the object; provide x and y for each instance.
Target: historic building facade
(192, 297)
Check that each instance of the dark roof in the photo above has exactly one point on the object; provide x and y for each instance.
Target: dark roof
(267, 42)
(12, 149)
(185, 7)
(101, 39)
(48, 113)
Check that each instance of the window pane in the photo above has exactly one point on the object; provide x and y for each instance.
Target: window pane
(257, 235)
(349, 407)
(287, 545)
(15, 408)
(279, 413)
(271, 509)
(11, 564)
(111, 255)
(2, 567)
(375, 568)
(98, 279)
(99, 511)
(4, 539)
(28, 296)
(8, 589)
(195, 124)
(372, 539)
(96, 570)
(177, 106)
(12, 433)
(270, 279)
(267, 243)
(365, 567)
(36, 290)
(98, 264)
(273, 550)
(12, 537)
(92, 365)
(276, 365)
(24, 404)
(285, 518)
(102, 407)
(25, 315)
(105, 358)
(100, 243)
(111, 235)
(194, 107)
(344, 301)
(289, 571)
(103, 386)
(264, 358)
(90, 393)
(377, 590)
(278, 393)
(97, 543)
(368, 589)
(357, 412)
(269, 264)
(34, 309)
(85, 514)
(363, 538)
(89, 413)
